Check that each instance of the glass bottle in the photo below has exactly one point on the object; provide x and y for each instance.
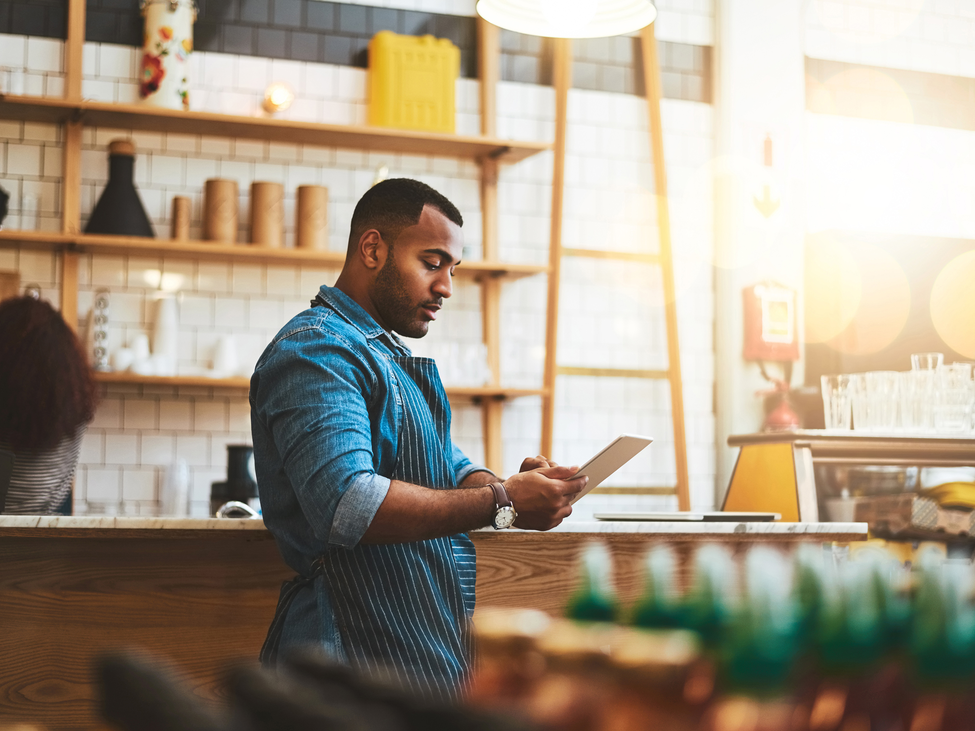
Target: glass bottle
(595, 600)
(658, 607)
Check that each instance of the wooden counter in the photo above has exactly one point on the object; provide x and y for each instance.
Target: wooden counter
(201, 593)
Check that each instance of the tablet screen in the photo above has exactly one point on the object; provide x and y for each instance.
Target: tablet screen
(616, 454)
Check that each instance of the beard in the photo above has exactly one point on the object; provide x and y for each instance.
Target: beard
(394, 304)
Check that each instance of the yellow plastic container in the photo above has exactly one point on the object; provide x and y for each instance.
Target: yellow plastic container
(412, 81)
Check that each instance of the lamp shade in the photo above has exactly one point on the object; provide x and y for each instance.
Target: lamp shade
(568, 18)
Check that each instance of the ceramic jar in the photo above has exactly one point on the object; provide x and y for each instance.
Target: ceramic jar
(312, 217)
(164, 79)
(267, 214)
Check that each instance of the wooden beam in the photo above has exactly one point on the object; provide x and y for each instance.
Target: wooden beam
(634, 256)
(70, 218)
(71, 183)
(489, 55)
(562, 80)
(613, 372)
(651, 73)
(69, 289)
(73, 47)
(489, 65)
(491, 412)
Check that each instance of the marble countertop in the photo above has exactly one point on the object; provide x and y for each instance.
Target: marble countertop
(103, 522)
(82, 522)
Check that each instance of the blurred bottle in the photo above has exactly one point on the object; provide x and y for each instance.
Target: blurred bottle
(595, 600)
(709, 601)
(849, 634)
(575, 692)
(942, 645)
(509, 663)
(657, 681)
(659, 606)
(757, 660)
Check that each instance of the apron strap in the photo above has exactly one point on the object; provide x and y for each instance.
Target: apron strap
(289, 590)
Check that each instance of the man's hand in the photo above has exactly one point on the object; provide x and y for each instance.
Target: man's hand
(542, 496)
(536, 463)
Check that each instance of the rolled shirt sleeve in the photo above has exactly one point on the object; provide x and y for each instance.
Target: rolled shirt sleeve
(312, 398)
(463, 467)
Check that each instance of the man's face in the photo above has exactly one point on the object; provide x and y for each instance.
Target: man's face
(412, 284)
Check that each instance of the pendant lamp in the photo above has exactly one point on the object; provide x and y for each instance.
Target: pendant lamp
(568, 18)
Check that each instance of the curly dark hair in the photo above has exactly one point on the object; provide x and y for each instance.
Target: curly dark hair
(395, 204)
(46, 387)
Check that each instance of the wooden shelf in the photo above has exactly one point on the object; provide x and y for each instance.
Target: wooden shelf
(35, 239)
(244, 253)
(152, 119)
(497, 393)
(135, 379)
(243, 383)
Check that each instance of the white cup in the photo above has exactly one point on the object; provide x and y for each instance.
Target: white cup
(122, 359)
(140, 347)
(144, 366)
(28, 213)
(225, 361)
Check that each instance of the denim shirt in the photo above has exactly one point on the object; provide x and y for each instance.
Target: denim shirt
(328, 412)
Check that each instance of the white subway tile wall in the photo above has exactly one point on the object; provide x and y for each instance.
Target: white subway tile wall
(449, 7)
(139, 431)
(31, 66)
(919, 35)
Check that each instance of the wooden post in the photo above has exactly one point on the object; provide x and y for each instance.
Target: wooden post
(73, 47)
(651, 73)
(489, 57)
(69, 288)
(562, 73)
(70, 219)
(71, 184)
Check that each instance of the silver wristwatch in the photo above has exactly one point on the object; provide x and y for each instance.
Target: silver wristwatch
(504, 512)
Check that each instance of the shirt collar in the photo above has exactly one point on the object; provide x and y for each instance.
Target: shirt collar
(356, 315)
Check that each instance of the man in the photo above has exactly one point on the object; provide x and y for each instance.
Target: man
(367, 496)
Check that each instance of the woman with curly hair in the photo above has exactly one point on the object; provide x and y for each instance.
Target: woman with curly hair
(47, 398)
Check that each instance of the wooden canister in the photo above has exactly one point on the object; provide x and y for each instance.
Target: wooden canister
(267, 214)
(181, 218)
(220, 211)
(311, 224)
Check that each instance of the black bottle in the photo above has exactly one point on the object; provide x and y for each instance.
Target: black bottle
(119, 210)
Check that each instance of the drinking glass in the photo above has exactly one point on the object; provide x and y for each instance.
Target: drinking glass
(881, 396)
(836, 401)
(955, 398)
(917, 391)
(858, 401)
(927, 361)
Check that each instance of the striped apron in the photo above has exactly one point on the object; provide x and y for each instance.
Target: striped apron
(402, 611)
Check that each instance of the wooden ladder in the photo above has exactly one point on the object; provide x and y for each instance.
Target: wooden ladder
(562, 69)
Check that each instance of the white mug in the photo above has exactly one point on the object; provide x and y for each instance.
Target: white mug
(122, 359)
(139, 346)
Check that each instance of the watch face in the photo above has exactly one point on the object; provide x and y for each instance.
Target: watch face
(504, 517)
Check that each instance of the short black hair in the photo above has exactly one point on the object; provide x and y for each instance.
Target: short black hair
(396, 204)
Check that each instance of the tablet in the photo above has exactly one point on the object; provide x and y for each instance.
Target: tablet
(674, 517)
(616, 454)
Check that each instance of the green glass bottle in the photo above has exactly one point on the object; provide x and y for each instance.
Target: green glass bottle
(658, 607)
(595, 600)
(707, 606)
(758, 656)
